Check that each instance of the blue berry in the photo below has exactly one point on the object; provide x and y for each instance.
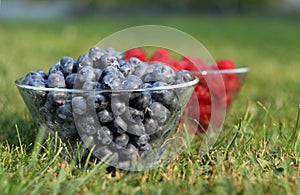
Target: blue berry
(119, 125)
(151, 126)
(142, 101)
(86, 125)
(122, 140)
(141, 141)
(56, 68)
(87, 73)
(105, 116)
(133, 115)
(113, 79)
(89, 85)
(83, 61)
(67, 64)
(161, 73)
(95, 54)
(118, 106)
(136, 129)
(143, 69)
(105, 135)
(159, 112)
(98, 102)
(79, 105)
(56, 80)
(184, 76)
(56, 98)
(70, 80)
(132, 82)
(64, 111)
(108, 60)
(43, 74)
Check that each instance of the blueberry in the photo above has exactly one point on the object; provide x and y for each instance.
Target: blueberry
(56, 80)
(136, 129)
(135, 61)
(108, 60)
(159, 112)
(166, 97)
(43, 74)
(79, 105)
(83, 61)
(146, 147)
(105, 116)
(133, 115)
(142, 101)
(37, 83)
(141, 141)
(87, 73)
(113, 79)
(55, 68)
(47, 110)
(132, 82)
(70, 80)
(89, 85)
(98, 73)
(86, 125)
(151, 126)
(119, 125)
(118, 105)
(67, 64)
(104, 135)
(162, 73)
(95, 54)
(143, 69)
(64, 111)
(97, 101)
(127, 69)
(34, 79)
(184, 76)
(57, 98)
(122, 140)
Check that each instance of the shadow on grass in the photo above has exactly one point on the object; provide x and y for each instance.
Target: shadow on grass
(11, 124)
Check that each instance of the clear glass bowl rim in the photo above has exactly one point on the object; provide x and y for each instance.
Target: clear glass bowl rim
(240, 70)
(19, 84)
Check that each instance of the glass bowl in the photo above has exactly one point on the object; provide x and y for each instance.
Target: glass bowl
(214, 93)
(134, 129)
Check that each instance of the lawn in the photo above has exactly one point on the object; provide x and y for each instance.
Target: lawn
(257, 152)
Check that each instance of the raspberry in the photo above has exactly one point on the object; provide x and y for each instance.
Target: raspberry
(163, 55)
(224, 65)
(136, 52)
(193, 64)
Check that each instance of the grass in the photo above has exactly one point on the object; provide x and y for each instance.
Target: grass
(257, 152)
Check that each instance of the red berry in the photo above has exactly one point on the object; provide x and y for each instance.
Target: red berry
(225, 65)
(136, 52)
(193, 64)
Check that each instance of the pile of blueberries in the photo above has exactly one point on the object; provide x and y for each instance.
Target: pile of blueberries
(122, 108)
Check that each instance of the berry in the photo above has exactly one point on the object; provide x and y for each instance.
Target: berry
(159, 112)
(122, 140)
(105, 116)
(56, 80)
(224, 65)
(132, 82)
(87, 73)
(79, 105)
(83, 61)
(67, 64)
(136, 52)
